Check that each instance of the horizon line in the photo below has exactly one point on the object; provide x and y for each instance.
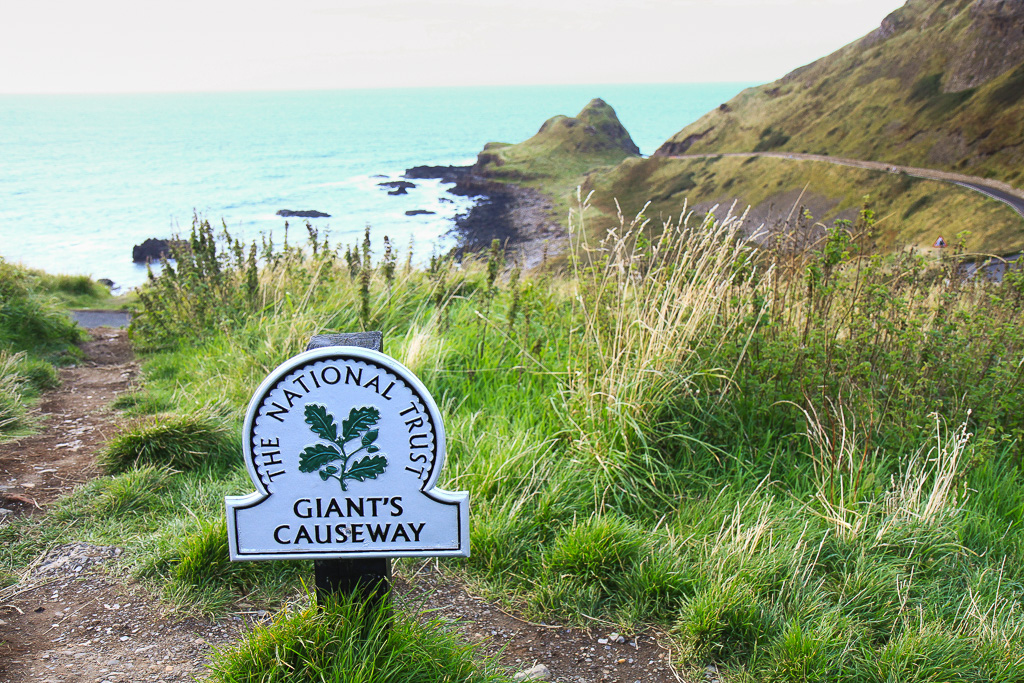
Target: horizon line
(240, 91)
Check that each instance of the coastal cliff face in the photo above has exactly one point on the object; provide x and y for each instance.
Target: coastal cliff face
(938, 84)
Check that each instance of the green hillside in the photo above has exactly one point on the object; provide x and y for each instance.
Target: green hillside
(937, 85)
(562, 151)
(912, 211)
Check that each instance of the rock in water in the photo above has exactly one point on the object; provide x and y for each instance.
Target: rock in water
(308, 213)
(400, 186)
(152, 250)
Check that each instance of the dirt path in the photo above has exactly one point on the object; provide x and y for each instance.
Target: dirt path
(75, 420)
(993, 189)
(76, 616)
(68, 619)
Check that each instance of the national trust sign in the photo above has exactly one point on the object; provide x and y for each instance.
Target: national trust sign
(344, 446)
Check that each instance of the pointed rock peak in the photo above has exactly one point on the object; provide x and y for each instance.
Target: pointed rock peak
(599, 115)
(597, 109)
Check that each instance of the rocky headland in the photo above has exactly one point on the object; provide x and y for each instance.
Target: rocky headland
(523, 188)
(519, 217)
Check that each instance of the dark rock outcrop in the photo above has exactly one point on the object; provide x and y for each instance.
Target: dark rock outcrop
(308, 213)
(400, 186)
(447, 174)
(154, 249)
(670, 148)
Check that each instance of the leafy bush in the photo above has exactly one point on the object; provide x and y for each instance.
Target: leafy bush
(210, 288)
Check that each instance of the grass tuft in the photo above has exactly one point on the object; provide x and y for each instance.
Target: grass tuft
(347, 641)
(182, 442)
(133, 492)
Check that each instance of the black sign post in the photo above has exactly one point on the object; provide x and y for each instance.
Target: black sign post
(368, 575)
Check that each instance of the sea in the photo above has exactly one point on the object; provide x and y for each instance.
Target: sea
(84, 178)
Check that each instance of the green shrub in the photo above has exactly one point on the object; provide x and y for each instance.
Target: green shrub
(214, 285)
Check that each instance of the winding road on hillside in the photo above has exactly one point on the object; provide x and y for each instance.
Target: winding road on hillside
(993, 189)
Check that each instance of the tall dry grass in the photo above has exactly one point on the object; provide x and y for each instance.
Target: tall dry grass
(651, 317)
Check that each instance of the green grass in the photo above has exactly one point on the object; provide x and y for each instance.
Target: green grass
(348, 642)
(35, 335)
(797, 466)
(183, 442)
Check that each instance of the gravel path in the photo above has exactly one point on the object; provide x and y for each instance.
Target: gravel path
(90, 319)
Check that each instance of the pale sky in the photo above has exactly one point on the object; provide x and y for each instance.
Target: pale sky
(55, 46)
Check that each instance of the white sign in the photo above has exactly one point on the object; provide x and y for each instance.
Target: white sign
(344, 446)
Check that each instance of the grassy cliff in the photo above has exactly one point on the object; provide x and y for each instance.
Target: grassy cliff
(937, 85)
(912, 211)
(563, 151)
